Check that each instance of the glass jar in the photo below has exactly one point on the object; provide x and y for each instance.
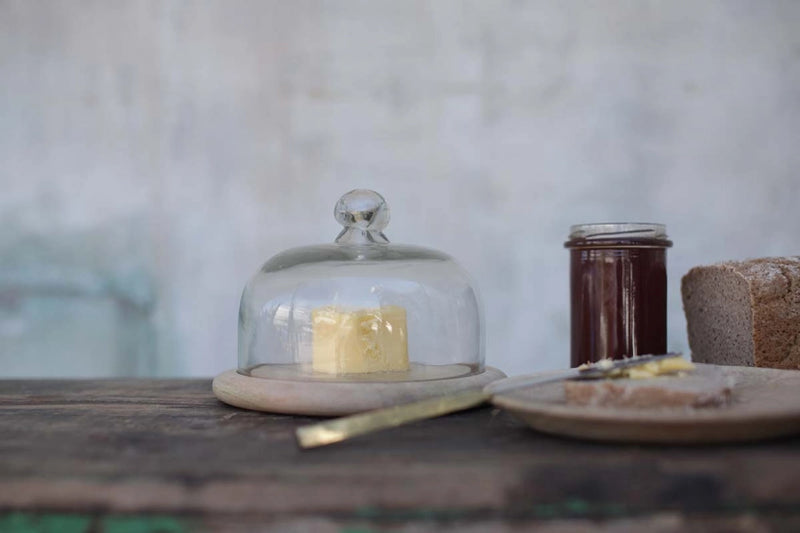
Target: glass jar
(618, 290)
(361, 308)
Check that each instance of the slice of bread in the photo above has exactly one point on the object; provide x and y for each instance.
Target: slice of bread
(744, 313)
(703, 387)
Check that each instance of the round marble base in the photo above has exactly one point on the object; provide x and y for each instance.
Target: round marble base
(335, 398)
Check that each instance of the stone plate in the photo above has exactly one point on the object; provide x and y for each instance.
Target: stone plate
(766, 403)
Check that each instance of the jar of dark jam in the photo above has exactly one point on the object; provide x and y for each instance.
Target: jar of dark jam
(618, 290)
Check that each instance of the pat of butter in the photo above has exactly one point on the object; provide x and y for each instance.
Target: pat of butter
(359, 341)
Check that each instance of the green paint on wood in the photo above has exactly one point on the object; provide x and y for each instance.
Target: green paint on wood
(578, 507)
(142, 524)
(44, 523)
(575, 508)
(77, 523)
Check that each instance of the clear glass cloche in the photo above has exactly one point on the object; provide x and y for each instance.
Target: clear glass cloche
(361, 308)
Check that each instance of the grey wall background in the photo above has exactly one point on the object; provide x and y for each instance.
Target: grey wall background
(154, 153)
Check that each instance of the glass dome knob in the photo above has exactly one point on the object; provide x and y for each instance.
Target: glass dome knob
(364, 214)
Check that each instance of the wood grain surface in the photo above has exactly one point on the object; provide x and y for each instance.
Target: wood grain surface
(165, 455)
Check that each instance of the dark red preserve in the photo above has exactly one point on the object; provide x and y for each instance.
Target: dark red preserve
(618, 290)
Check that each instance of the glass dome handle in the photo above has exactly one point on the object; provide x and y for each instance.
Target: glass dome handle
(364, 214)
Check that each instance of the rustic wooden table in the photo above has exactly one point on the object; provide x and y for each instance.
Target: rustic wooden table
(165, 455)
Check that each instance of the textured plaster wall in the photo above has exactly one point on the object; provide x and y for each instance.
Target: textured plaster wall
(154, 153)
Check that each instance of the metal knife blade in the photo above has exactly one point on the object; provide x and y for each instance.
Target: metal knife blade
(591, 371)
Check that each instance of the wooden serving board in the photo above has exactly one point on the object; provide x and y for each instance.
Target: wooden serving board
(766, 403)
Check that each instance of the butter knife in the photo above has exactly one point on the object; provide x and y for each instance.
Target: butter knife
(339, 429)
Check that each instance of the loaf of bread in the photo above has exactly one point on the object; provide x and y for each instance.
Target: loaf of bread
(744, 312)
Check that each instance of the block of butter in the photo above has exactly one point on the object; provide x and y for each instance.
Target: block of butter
(360, 340)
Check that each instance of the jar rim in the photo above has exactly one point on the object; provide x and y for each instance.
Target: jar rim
(618, 230)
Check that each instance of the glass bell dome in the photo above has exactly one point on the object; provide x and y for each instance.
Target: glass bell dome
(361, 308)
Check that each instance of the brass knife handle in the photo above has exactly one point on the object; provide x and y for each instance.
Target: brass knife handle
(347, 427)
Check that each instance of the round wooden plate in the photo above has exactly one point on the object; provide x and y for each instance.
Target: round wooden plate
(335, 398)
(766, 403)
